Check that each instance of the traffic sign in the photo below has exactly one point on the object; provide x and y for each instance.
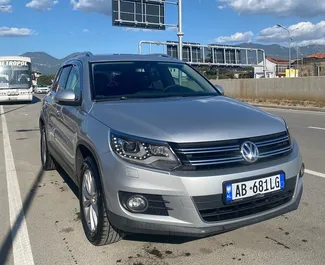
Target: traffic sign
(147, 14)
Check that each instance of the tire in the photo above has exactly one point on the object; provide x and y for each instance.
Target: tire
(103, 233)
(46, 158)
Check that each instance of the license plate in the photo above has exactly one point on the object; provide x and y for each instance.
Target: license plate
(13, 93)
(251, 188)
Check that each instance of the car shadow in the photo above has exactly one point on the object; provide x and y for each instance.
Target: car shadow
(175, 240)
(65, 177)
(160, 239)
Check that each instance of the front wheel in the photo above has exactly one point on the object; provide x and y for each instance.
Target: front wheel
(93, 213)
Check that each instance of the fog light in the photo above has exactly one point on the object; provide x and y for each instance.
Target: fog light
(137, 203)
(302, 170)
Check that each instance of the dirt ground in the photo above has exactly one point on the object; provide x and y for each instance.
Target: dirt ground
(286, 103)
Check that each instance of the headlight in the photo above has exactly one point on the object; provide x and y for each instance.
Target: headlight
(143, 152)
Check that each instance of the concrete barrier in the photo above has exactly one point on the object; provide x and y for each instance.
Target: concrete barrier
(303, 88)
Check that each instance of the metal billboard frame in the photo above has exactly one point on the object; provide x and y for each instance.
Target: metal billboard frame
(212, 47)
(145, 24)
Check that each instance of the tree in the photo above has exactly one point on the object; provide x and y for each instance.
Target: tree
(45, 80)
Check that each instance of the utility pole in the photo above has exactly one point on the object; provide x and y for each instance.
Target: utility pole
(297, 48)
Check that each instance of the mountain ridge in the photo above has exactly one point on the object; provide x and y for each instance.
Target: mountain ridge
(47, 64)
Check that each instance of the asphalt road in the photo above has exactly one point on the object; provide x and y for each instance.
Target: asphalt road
(48, 230)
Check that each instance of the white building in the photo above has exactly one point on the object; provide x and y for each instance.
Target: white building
(273, 68)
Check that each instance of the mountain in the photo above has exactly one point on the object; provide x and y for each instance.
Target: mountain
(277, 51)
(47, 64)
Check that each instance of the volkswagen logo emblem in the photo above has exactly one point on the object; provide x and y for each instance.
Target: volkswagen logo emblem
(249, 152)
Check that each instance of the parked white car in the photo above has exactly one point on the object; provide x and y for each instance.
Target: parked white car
(41, 89)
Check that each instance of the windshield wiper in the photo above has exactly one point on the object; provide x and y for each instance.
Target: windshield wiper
(110, 99)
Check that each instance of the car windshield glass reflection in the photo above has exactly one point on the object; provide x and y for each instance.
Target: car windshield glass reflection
(123, 80)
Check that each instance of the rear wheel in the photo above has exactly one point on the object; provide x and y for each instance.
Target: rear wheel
(46, 158)
(93, 212)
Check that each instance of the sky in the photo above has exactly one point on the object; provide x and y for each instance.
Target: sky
(61, 27)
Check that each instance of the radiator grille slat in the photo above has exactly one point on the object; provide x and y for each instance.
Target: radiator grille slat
(207, 155)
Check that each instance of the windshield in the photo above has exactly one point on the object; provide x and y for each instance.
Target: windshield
(15, 74)
(123, 80)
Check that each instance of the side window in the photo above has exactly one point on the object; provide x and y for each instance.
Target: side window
(74, 80)
(55, 82)
(63, 78)
(182, 79)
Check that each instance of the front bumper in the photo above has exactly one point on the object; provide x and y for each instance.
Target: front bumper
(180, 188)
(132, 226)
(20, 97)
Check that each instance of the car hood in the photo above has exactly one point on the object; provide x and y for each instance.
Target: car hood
(187, 119)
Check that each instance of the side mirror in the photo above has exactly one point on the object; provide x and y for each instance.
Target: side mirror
(220, 89)
(66, 97)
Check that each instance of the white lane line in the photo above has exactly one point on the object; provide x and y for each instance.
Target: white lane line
(316, 128)
(314, 173)
(22, 251)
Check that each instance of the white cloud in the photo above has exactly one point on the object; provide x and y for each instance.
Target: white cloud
(280, 8)
(237, 37)
(42, 5)
(86, 30)
(16, 32)
(97, 6)
(303, 33)
(6, 8)
(221, 7)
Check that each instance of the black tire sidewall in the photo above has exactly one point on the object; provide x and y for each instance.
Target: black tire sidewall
(44, 163)
(95, 237)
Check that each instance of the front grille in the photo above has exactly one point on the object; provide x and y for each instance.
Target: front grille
(156, 203)
(212, 208)
(209, 155)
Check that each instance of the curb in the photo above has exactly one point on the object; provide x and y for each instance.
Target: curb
(288, 107)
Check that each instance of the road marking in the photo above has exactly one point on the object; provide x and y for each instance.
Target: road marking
(317, 174)
(22, 251)
(316, 128)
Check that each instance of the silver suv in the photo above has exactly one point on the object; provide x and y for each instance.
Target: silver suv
(155, 148)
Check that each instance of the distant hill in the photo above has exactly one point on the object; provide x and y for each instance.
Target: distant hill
(47, 64)
(275, 50)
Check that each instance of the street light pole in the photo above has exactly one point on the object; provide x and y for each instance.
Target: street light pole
(180, 32)
(280, 26)
(297, 47)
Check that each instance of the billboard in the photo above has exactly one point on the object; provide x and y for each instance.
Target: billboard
(190, 53)
(139, 14)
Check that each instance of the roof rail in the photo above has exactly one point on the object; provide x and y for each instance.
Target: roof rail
(88, 54)
(160, 54)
